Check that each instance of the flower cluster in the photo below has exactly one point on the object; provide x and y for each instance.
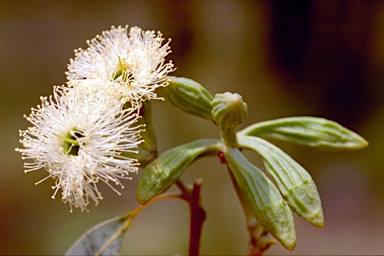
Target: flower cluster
(86, 131)
(131, 63)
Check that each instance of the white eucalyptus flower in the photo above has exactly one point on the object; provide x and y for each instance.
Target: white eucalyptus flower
(80, 137)
(134, 61)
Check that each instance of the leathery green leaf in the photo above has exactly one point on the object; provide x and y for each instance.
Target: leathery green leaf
(294, 182)
(164, 171)
(314, 132)
(267, 204)
(105, 238)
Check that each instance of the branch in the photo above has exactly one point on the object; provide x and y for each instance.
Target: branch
(192, 196)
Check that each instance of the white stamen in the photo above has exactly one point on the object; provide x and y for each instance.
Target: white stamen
(99, 124)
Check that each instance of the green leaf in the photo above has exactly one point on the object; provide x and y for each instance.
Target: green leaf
(294, 182)
(105, 238)
(313, 132)
(265, 200)
(163, 172)
(189, 96)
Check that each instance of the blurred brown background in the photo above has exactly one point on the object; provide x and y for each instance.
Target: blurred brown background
(321, 58)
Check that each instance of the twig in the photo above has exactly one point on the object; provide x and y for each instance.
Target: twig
(198, 215)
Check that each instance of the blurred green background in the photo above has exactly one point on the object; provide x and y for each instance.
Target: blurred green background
(286, 58)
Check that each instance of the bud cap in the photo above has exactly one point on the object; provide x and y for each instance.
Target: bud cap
(229, 110)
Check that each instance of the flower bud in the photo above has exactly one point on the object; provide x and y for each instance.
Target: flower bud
(293, 181)
(265, 201)
(189, 96)
(228, 110)
(165, 170)
(308, 131)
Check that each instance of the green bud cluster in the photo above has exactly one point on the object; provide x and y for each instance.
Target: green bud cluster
(269, 201)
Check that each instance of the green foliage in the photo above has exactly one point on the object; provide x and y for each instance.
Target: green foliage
(105, 238)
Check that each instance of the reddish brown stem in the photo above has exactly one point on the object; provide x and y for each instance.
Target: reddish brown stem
(197, 214)
(197, 218)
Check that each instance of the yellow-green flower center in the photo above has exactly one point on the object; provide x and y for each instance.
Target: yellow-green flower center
(71, 145)
(123, 70)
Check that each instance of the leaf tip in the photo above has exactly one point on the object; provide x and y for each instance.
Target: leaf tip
(360, 142)
(317, 219)
(288, 242)
(319, 224)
